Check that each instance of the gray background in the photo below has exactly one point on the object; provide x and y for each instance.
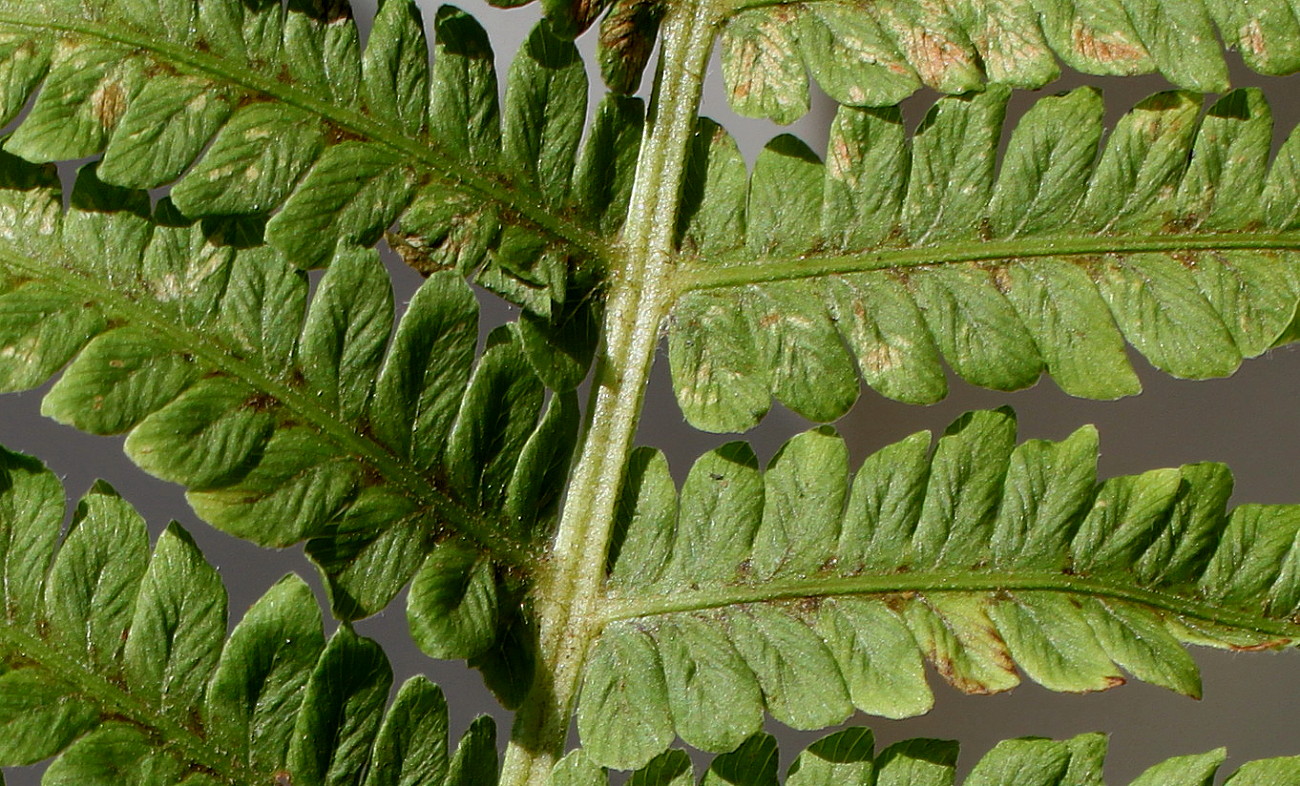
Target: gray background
(1248, 422)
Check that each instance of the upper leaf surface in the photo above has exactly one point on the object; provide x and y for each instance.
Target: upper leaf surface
(810, 593)
(277, 114)
(115, 663)
(876, 54)
(1175, 236)
(288, 419)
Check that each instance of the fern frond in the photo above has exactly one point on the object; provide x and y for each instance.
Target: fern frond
(848, 758)
(877, 54)
(288, 420)
(274, 113)
(1177, 237)
(115, 663)
(810, 594)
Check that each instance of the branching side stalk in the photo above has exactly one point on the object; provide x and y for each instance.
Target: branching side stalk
(569, 585)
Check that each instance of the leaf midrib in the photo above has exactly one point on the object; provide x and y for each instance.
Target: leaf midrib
(741, 268)
(451, 171)
(113, 698)
(463, 520)
(634, 603)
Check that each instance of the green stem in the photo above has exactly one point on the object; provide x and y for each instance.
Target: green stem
(937, 582)
(741, 269)
(569, 587)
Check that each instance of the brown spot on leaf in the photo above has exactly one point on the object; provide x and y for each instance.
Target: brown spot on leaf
(1252, 38)
(1261, 646)
(740, 91)
(108, 103)
(809, 606)
(1105, 48)
(881, 358)
(841, 159)
(627, 37)
(584, 12)
(1002, 279)
(966, 684)
(897, 602)
(370, 476)
(261, 402)
(934, 55)
(337, 134)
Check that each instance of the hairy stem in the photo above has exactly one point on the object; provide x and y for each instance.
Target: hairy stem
(639, 293)
(745, 268)
(1121, 587)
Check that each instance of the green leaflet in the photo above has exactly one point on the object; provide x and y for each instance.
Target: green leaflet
(841, 758)
(182, 603)
(475, 760)
(262, 112)
(253, 163)
(763, 74)
(345, 332)
(395, 72)
(412, 744)
(205, 438)
(107, 541)
(85, 92)
(113, 753)
(32, 507)
(546, 106)
(879, 54)
(453, 605)
(341, 711)
(809, 593)
(849, 758)
(118, 379)
(627, 37)
(918, 761)
(353, 193)
(288, 420)
(138, 682)
(255, 692)
(896, 256)
(164, 129)
(1191, 770)
(463, 106)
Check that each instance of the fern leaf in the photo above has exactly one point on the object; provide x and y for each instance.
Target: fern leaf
(115, 663)
(1176, 237)
(849, 758)
(879, 54)
(627, 37)
(289, 420)
(808, 593)
(276, 114)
